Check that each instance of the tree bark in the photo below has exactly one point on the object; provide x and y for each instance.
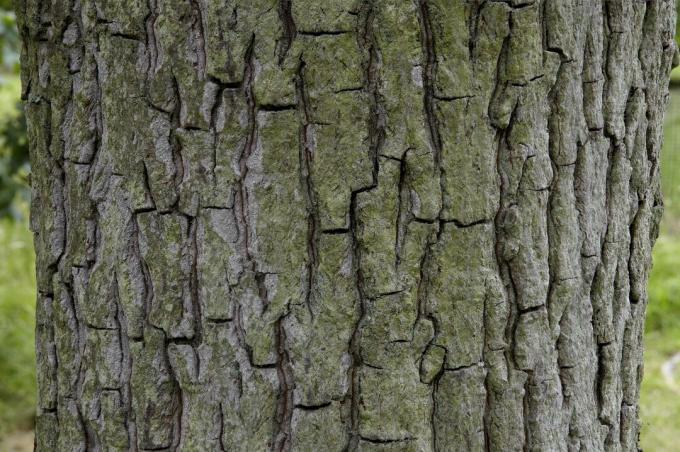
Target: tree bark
(379, 225)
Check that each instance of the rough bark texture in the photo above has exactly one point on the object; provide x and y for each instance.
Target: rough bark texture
(380, 225)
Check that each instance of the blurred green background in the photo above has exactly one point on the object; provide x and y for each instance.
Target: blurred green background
(660, 399)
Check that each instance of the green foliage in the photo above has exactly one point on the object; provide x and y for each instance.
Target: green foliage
(670, 163)
(13, 143)
(9, 40)
(664, 287)
(17, 280)
(13, 148)
(677, 23)
(660, 403)
(17, 318)
(664, 283)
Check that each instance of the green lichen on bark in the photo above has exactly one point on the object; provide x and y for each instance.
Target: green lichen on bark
(376, 225)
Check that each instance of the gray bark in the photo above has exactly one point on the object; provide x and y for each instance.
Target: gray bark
(375, 225)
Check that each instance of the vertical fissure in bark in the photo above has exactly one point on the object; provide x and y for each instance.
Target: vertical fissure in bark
(178, 158)
(354, 345)
(220, 422)
(429, 69)
(404, 214)
(198, 24)
(289, 29)
(151, 41)
(178, 412)
(241, 206)
(377, 118)
(80, 326)
(376, 125)
(285, 404)
(194, 283)
(306, 161)
(126, 369)
(502, 266)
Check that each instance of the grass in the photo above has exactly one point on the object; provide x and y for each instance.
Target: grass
(659, 402)
(17, 318)
(17, 302)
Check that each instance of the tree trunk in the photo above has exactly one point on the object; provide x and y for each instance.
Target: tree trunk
(380, 225)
